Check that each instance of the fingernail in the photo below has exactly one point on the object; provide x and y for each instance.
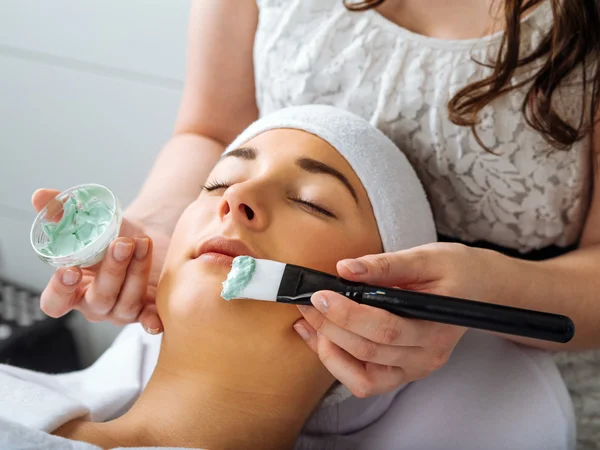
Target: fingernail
(141, 247)
(122, 250)
(302, 331)
(70, 277)
(302, 308)
(320, 303)
(152, 330)
(356, 266)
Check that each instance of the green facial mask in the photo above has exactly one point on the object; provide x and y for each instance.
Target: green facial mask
(84, 219)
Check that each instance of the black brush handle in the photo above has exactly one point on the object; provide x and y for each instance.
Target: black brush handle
(471, 314)
(299, 283)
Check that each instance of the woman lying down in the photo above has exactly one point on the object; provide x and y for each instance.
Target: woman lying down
(310, 186)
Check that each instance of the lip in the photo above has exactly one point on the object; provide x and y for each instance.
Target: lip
(222, 250)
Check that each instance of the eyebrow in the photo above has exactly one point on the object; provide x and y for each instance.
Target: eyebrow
(248, 153)
(308, 164)
(314, 166)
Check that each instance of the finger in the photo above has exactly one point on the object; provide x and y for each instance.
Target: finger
(104, 290)
(41, 197)
(416, 361)
(90, 315)
(362, 379)
(150, 320)
(307, 333)
(133, 292)
(60, 294)
(375, 324)
(404, 268)
(384, 328)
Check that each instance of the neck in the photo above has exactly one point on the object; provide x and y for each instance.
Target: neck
(178, 409)
(224, 395)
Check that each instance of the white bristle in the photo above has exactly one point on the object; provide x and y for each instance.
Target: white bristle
(265, 281)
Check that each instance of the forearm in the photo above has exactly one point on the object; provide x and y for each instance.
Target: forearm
(568, 285)
(175, 180)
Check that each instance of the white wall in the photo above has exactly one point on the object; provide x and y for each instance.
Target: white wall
(88, 93)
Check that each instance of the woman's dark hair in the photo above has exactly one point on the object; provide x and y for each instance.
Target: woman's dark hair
(573, 41)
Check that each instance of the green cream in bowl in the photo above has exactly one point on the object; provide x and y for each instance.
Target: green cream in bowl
(77, 226)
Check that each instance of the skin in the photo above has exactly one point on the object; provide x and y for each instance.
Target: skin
(219, 102)
(217, 369)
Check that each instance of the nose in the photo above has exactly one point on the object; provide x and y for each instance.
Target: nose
(242, 204)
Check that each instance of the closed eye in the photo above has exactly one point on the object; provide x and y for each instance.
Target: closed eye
(313, 208)
(214, 185)
(306, 204)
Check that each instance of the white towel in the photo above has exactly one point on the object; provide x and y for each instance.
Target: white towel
(14, 436)
(513, 394)
(100, 392)
(397, 196)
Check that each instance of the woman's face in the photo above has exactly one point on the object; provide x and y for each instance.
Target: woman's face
(286, 195)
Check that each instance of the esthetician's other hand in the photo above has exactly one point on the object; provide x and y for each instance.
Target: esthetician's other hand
(372, 351)
(121, 288)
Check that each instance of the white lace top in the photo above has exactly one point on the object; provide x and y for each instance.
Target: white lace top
(526, 197)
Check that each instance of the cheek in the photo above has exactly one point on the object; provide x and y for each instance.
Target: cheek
(180, 233)
(320, 245)
(195, 218)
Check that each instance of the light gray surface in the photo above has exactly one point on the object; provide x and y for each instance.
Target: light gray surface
(142, 36)
(89, 93)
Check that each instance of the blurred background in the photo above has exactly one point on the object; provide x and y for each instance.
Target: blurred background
(88, 93)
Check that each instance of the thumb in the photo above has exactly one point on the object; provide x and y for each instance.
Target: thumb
(150, 320)
(403, 268)
(41, 197)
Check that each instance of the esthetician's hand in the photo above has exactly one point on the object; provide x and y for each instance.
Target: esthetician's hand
(372, 351)
(121, 288)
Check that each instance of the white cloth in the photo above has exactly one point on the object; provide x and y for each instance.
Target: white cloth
(492, 394)
(14, 436)
(528, 197)
(101, 392)
(399, 203)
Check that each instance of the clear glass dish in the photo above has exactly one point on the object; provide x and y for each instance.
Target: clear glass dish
(79, 206)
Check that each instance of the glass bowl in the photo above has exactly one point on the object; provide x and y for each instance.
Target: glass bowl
(77, 226)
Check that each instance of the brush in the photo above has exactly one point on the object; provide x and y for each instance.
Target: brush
(265, 280)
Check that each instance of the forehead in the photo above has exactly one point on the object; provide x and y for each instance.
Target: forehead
(285, 146)
(290, 144)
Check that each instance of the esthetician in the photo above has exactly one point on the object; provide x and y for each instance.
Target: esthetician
(491, 101)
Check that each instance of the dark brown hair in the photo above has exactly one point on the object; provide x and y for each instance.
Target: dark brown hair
(572, 42)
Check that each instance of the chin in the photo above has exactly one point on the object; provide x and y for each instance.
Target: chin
(188, 292)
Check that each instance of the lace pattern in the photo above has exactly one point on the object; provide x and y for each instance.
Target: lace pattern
(526, 196)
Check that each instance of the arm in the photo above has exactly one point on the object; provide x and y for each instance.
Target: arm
(218, 102)
(568, 284)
